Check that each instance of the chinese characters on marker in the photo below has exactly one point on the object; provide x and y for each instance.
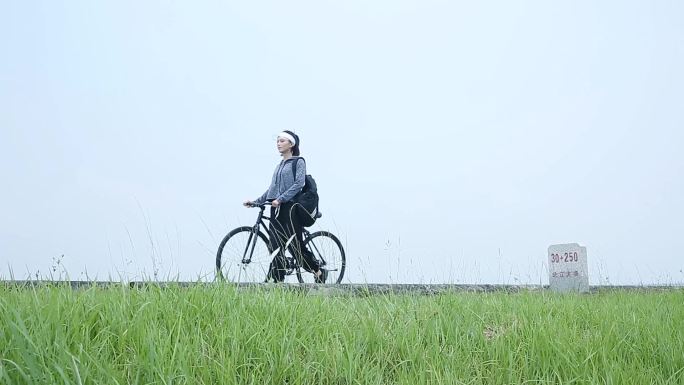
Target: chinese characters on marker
(564, 274)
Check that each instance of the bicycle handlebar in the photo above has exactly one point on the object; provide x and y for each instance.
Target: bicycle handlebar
(263, 205)
(252, 204)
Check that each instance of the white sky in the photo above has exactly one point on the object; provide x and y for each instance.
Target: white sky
(452, 141)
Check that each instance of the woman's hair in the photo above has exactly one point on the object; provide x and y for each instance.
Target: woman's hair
(295, 148)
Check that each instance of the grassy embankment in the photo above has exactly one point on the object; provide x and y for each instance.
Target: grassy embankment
(222, 335)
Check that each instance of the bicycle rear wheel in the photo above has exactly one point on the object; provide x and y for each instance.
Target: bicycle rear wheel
(329, 251)
(243, 256)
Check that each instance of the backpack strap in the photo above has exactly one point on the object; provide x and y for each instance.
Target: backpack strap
(294, 166)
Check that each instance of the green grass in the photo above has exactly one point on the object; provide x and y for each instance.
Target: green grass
(223, 335)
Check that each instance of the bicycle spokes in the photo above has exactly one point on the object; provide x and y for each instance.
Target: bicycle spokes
(243, 256)
(317, 253)
(328, 252)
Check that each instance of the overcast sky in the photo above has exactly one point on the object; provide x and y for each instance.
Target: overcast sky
(452, 141)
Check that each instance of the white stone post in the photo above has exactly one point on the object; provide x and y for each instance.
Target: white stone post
(568, 268)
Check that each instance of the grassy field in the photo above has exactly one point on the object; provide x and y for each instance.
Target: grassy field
(224, 335)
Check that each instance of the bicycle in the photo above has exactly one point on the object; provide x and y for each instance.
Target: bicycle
(245, 254)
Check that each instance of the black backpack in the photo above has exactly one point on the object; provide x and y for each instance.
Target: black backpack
(306, 201)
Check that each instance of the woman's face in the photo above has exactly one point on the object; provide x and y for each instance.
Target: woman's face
(284, 145)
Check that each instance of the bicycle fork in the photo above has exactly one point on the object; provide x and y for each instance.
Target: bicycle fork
(251, 244)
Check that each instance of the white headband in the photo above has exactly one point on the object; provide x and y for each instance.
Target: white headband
(288, 137)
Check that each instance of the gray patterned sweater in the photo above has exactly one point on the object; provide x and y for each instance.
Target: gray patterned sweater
(284, 186)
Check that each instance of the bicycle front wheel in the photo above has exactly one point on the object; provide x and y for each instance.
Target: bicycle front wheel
(329, 252)
(243, 256)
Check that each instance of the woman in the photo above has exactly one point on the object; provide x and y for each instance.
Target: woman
(284, 220)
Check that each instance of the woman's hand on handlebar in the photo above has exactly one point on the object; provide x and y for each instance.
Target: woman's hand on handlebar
(254, 204)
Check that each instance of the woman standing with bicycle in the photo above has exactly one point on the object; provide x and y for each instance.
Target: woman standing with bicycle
(284, 223)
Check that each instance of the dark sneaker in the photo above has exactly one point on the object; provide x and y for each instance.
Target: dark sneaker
(321, 278)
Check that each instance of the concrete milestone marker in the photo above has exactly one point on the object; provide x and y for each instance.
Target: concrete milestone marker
(568, 268)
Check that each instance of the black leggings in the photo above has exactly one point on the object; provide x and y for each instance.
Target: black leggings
(285, 222)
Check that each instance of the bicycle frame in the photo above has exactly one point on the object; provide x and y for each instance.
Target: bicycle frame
(251, 242)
